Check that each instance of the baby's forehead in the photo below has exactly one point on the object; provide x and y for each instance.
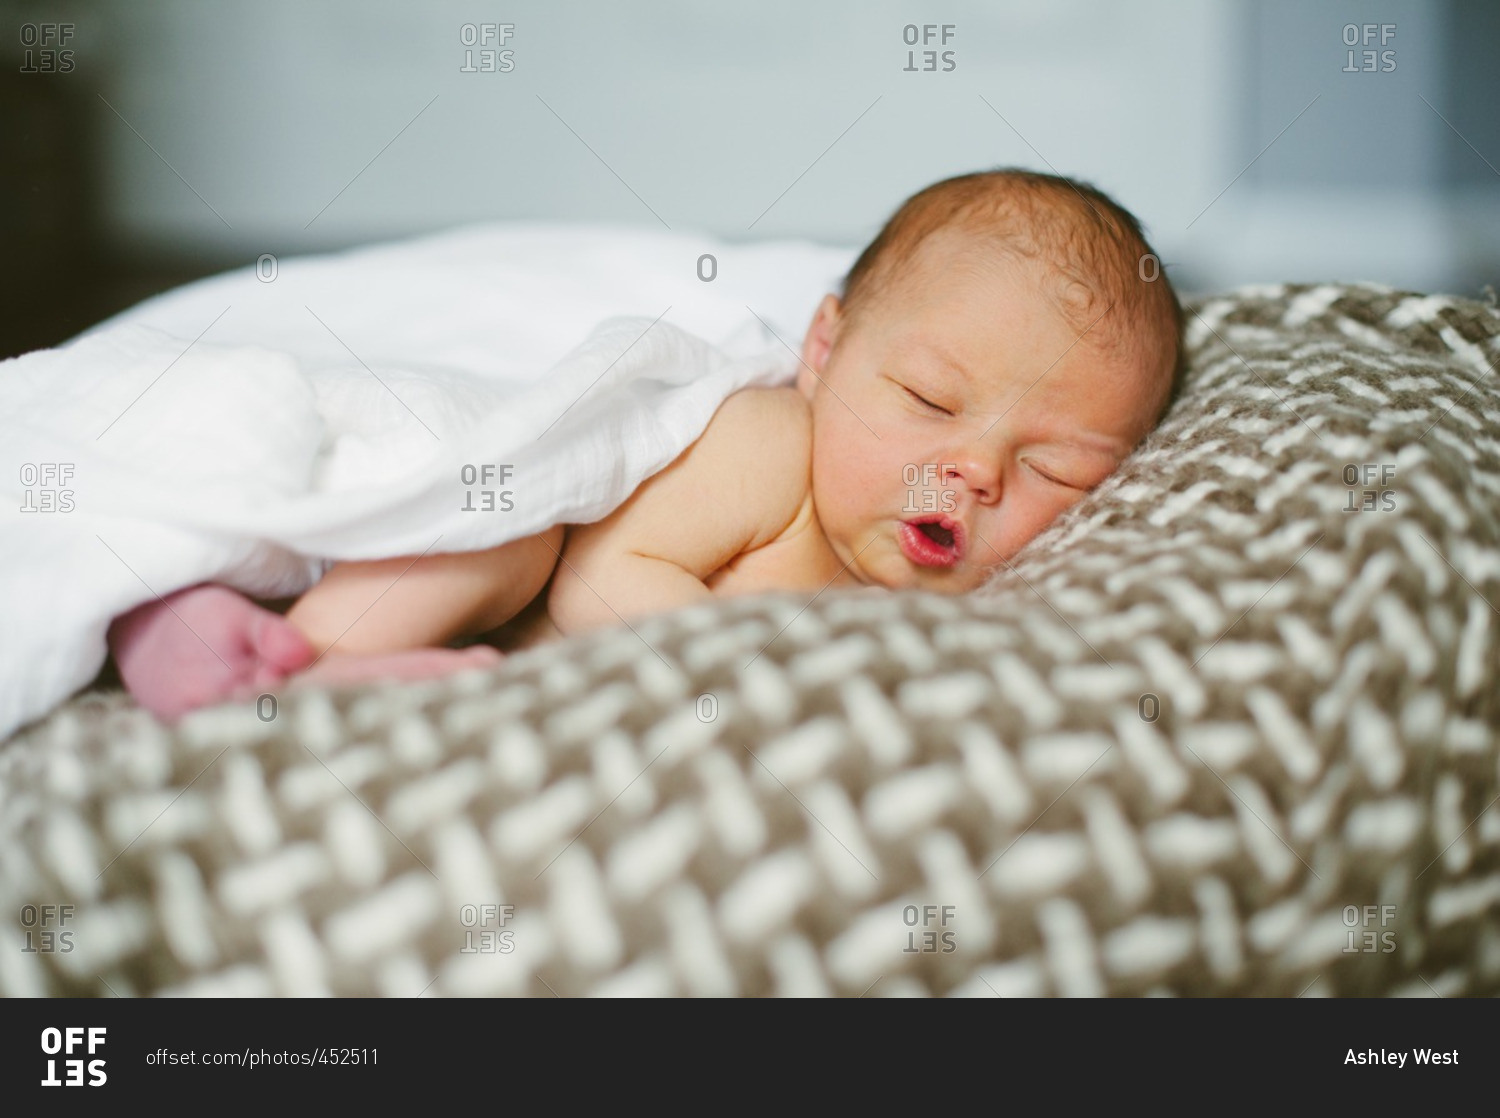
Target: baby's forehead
(1090, 294)
(960, 293)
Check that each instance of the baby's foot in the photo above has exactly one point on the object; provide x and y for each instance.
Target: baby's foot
(203, 645)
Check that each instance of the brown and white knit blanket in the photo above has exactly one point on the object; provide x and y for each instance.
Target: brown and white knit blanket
(1228, 727)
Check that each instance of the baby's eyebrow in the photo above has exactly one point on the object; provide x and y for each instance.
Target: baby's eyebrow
(942, 357)
(1098, 444)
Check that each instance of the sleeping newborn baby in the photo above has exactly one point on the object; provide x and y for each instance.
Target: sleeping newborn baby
(997, 351)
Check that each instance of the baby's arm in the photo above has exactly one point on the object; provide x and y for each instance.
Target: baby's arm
(732, 490)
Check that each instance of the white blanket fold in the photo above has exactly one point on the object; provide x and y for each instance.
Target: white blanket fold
(428, 396)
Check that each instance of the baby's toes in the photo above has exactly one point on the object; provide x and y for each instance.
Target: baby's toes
(278, 645)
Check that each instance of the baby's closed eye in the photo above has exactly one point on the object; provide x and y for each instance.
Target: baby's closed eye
(1080, 470)
(1056, 475)
(923, 400)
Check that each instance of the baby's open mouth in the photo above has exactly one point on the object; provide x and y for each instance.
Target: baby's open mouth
(931, 541)
(936, 533)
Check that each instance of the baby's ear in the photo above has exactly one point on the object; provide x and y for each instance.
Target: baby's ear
(818, 343)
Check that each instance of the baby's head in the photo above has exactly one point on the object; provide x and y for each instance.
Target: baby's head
(998, 349)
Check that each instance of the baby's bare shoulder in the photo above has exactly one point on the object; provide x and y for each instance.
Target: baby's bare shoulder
(773, 427)
(735, 488)
(779, 413)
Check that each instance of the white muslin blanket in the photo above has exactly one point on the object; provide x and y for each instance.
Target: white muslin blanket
(448, 393)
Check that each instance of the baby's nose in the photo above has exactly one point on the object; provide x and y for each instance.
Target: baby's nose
(979, 473)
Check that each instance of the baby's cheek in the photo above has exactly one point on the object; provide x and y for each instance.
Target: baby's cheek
(1022, 519)
(852, 479)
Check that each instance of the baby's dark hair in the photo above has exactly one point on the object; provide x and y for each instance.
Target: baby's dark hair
(1108, 280)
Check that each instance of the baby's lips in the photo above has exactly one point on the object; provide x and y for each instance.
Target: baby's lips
(960, 533)
(953, 524)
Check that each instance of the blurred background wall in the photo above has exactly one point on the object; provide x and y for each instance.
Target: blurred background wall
(144, 143)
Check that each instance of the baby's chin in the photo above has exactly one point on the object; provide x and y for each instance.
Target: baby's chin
(970, 580)
(953, 580)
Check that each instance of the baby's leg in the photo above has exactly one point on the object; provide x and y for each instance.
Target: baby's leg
(364, 621)
(381, 606)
